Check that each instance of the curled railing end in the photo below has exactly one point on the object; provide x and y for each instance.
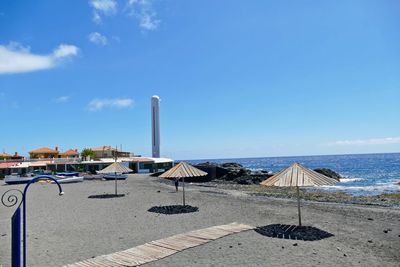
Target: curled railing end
(10, 199)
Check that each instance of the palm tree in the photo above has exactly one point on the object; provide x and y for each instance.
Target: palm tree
(87, 152)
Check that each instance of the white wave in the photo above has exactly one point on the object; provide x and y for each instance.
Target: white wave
(347, 180)
(379, 187)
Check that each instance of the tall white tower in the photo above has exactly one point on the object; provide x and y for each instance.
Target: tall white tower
(155, 125)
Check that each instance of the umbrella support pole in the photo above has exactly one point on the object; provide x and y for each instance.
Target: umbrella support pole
(298, 204)
(116, 191)
(183, 190)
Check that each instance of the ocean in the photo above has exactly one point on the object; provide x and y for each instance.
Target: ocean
(364, 174)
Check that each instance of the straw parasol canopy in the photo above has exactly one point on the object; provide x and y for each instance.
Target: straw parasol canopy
(116, 167)
(181, 171)
(298, 176)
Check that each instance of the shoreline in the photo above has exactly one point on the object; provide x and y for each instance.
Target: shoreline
(291, 156)
(367, 185)
(383, 200)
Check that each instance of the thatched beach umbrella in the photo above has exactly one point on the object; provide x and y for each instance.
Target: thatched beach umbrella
(298, 176)
(181, 171)
(116, 168)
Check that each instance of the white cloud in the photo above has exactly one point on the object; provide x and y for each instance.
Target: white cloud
(64, 50)
(15, 58)
(97, 38)
(99, 104)
(62, 99)
(372, 141)
(103, 7)
(143, 10)
(96, 18)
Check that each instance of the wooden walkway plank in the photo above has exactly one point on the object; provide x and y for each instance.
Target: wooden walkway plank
(161, 250)
(156, 250)
(135, 259)
(160, 243)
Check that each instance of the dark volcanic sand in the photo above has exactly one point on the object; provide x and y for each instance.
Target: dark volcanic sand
(74, 227)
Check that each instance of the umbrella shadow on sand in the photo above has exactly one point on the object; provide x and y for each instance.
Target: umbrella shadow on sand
(105, 196)
(173, 209)
(294, 232)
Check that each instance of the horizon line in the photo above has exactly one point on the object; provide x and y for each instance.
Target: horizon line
(320, 155)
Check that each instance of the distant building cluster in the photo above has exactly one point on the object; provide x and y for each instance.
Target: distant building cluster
(99, 152)
(87, 160)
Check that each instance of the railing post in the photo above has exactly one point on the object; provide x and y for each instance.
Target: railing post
(10, 199)
(16, 238)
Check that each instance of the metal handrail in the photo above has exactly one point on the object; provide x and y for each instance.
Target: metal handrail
(9, 199)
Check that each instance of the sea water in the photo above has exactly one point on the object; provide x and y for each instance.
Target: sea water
(363, 174)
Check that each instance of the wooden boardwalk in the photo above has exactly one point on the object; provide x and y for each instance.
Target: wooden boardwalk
(162, 248)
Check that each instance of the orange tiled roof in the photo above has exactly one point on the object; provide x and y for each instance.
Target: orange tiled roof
(70, 152)
(44, 150)
(5, 155)
(16, 155)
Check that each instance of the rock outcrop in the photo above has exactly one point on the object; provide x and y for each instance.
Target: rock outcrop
(233, 172)
(329, 173)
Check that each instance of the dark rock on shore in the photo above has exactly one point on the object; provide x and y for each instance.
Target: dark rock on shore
(252, 178)
(329, 173)
(232, 172)
(231, 165)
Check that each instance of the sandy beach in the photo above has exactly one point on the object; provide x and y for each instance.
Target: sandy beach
(73, 227)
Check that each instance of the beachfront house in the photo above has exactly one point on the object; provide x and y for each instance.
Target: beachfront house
(17, 157)
(5, 156)
(109, 152)
(44, 153)
(70, 154)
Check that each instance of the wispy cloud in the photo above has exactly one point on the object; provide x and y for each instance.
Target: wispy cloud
(99, 104)
(65, 50)
(62, 99)
(371, 141)
(15, 58)
(143, 10)
(97, 38)
(103, 8)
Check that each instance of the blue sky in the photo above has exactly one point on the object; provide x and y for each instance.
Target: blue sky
(236, 78)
